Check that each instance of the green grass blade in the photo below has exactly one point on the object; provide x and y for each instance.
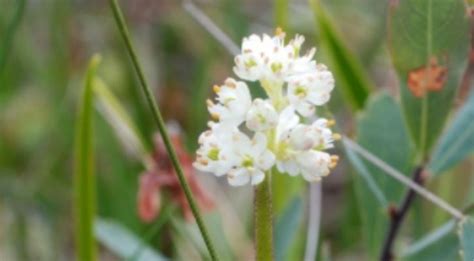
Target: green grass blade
(158, 118)
(7, 38)
(84, 178)
(123, 126)
(350, 75)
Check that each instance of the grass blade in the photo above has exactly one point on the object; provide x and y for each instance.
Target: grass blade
(118, 16)
(347, 69)
(123, 126)
(7, 39)
(84, 179)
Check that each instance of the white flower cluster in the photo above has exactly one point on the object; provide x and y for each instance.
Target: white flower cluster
(279, 136)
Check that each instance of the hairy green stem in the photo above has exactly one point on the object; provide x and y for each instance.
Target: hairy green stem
(263, 220)
(118, 16)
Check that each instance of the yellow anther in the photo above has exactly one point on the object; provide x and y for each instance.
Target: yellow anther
(216, 88)
(209, 103)
(215, 116)
(331, 123)
(279, 31)
(203, 161)
(336, 136)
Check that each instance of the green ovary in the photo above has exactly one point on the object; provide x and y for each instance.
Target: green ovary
(276, 67)
(213, 154)
(300, 91)
(247, 162)
(250, 63)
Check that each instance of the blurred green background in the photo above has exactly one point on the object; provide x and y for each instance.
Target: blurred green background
(45, 47)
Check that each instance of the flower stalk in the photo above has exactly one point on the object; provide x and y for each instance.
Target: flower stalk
(263, 220)
(119, 20)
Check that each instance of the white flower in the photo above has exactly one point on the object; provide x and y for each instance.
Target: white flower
(215, 151)
(248, 64)
(252, 157)
(261, 116)
(234, 100)
(314, 164)
(298, 146)
(310, 90)
(264, 58)
(325, 135)
(314, 136)
(295, 84)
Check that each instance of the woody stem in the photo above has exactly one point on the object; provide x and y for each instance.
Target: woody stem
(263, 220)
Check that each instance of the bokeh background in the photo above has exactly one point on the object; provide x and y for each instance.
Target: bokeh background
(45, 46)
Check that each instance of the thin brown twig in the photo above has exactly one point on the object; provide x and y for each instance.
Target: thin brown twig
(397, 216)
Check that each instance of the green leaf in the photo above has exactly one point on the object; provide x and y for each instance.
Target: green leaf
(446, 248)
(123, 242)
(420, 31)
(381, 131)
(364, 173)
(116, 115)
(432, 238)
(351, 79)
(84, 177)
(286, 227)
(457, 142)
(466, 237)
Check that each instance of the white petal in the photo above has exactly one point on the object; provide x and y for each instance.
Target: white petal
(289, 167)
(238, 177)
(259, 143)
(261, 115)
(257, 177)
(305, 109)
(287, 120)
(266, 160)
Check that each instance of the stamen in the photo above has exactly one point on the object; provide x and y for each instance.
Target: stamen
(215, 116)
(209, 103)
(279, 31)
